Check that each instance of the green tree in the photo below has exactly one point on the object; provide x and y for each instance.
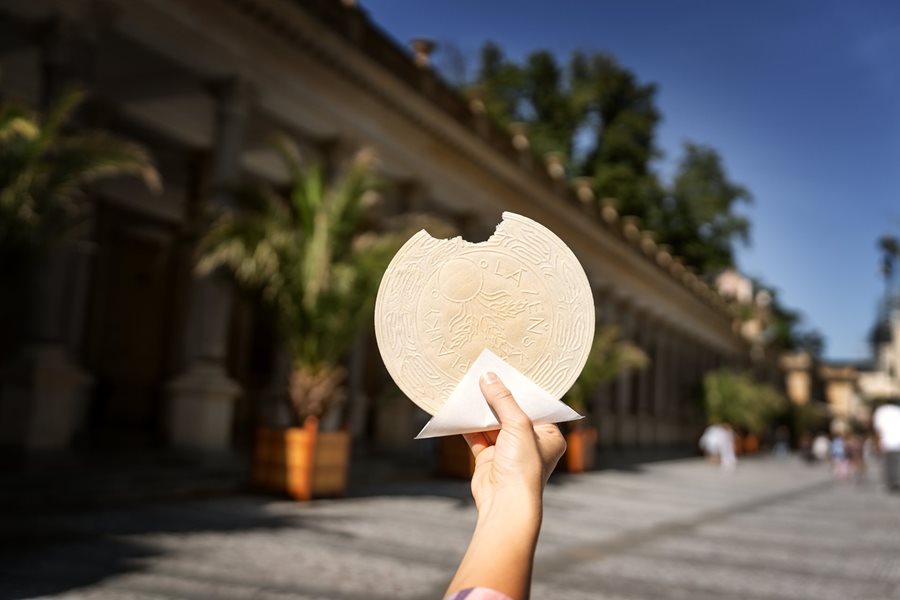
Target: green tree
(698, 219)
(499, 82)
(603, 119)
(535, 93)
(737, 399)
(547, 105)
(805, 418)
(786, 329)
(593, 110)
(619, 117)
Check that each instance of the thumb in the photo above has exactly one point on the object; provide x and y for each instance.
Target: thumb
(501, 401)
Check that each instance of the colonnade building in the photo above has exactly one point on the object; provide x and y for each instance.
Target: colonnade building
(141, 350)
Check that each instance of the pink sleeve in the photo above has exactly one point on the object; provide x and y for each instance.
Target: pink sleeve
(478, 594)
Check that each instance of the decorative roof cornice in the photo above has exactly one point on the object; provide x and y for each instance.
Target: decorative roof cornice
(349, 21)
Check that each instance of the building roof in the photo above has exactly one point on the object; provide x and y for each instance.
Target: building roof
(350, 21)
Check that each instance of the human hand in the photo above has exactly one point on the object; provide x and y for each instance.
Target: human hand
(511, 467)
(514, 463)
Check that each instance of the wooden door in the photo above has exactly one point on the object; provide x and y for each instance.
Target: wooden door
(130, 329)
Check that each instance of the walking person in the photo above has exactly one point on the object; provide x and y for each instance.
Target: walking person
(870, 455)
(821, 447)
(886, 422)
(782, 446)
(839, 463)
(726, 449)
(711, 442)
(805, 447)
(854, 448)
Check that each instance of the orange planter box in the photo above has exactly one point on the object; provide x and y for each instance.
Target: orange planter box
(302, 462)
(455, 458)
(581, 447)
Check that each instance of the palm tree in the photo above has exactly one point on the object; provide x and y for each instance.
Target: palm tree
(310, 258)
(44, 170)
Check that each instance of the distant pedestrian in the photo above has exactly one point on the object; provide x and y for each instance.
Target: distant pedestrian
(782, 446)
(727, 451)
(711, 442)
(854, 448)
(886, 422)
(870, 453)
(821, 447)
(840, 465)
(804, 446)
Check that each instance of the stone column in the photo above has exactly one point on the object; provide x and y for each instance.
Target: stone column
(44, 392)
(699, 412)
(68, 50)
(695, 401)
(625, 433)
(644, 379)
(202, 398)
(693, 410)
(661, 385)
(602, 402)
(688, 421)
(676, 374)
(359, 400)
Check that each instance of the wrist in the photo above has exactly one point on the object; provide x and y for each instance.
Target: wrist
(511, 508)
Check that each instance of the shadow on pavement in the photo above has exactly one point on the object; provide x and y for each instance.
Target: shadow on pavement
(45, 555)
(71, 521)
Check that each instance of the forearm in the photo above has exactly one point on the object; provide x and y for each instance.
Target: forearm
(501, 552)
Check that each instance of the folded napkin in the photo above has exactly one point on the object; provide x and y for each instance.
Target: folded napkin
(466, 410)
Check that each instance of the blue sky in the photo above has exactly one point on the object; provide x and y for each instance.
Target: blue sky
(801, 98)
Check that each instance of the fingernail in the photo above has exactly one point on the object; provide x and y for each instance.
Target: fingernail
(489, 377)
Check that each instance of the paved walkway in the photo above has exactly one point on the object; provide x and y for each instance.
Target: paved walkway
(679, 529)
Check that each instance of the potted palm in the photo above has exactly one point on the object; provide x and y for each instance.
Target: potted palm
(609, 356)
(46, 167)
(311, 259)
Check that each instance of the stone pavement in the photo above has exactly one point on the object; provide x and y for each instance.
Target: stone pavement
(678, 529)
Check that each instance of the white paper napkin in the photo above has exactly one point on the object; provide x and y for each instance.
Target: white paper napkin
(466, 411)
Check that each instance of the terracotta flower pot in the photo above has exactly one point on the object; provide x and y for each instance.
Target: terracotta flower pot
(302, 462)
(751, 444)
(455, 459)
(581, 448)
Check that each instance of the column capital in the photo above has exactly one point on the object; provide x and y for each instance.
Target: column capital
(234, 95)
(233, 98)
(67, 42)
